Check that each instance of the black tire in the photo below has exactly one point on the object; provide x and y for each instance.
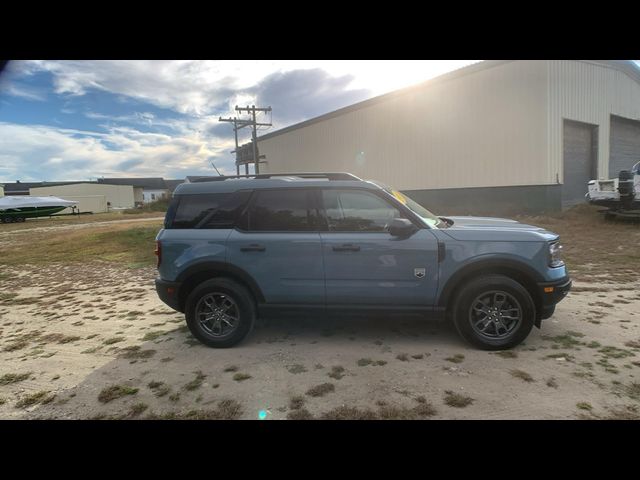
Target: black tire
(487, 286)
(244, 308)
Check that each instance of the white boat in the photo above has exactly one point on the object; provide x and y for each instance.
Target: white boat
(18, 208)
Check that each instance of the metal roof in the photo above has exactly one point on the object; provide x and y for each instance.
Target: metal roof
(626, 66)
(150, 183)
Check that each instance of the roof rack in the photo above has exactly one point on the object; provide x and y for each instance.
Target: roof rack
(328, 176)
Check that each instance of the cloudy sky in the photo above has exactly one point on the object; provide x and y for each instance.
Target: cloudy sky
(79, 120)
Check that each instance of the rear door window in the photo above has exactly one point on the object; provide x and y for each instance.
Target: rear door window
(289, 210)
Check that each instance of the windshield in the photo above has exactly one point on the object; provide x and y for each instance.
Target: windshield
(429, 218)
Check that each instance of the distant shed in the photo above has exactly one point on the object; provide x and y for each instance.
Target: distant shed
(116, 196)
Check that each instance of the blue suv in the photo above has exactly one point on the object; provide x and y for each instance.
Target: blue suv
(235, 247)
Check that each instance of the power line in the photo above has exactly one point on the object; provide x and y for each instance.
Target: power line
(252, 122)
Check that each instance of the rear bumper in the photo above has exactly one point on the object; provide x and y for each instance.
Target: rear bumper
(551, 293)
(168, 293)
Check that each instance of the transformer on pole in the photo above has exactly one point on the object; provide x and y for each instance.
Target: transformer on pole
(247, 153)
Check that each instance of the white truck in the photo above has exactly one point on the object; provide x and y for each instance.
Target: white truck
(620, 195)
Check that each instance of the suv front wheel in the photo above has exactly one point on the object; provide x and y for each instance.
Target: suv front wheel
(493, 312)
(220, 312)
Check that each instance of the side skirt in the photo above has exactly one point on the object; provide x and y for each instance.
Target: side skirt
(269, 309)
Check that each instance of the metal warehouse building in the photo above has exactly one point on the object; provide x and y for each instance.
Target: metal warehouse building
(493, 137)
(91, 196)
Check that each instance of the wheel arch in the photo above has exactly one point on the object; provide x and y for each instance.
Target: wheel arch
(195, 275)
(518, 271)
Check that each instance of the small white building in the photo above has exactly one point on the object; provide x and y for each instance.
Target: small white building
(91, 196)
(153, 188)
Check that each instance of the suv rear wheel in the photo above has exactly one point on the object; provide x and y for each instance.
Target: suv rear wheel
(494, 312)
(220, 312)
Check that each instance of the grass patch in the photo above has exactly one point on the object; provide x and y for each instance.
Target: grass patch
(633, 390)
(522, 375)
(567, 341)
(300, 414)
(552, 383)
(403, 357)
(135, 352)
(58, 338)
(241, 377)
(137, 409)
(160, 389)
(112, 340)
(42, 397)
(584, 406)
(157, 206)
(336, 372)
(120, 244)
(9, 378)
(506, 354)
(321, 390)
(615, 352)
(632, 344)
(196, 382)
(297, 368)
(363, 362)
(457, 358)
(457, 400)
(384, 412)
(114, 392)
(296, 402)
(225, 410)
(150, 336)
(231, 368)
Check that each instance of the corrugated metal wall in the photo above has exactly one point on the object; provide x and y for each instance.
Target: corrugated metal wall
(590, 93)
(501, 126)
(120, 196)
(482, 129)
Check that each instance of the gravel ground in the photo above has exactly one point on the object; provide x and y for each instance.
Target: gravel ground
(94, 341)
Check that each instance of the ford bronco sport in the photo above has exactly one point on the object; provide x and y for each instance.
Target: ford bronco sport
(235, 247)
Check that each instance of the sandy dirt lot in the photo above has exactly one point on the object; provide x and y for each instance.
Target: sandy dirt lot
(93, 341)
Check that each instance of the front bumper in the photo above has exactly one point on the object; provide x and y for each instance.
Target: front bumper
(168, 293)
(551, 293)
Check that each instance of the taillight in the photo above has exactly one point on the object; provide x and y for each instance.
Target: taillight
(158, 252)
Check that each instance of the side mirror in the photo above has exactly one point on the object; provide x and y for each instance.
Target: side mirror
(401, 227)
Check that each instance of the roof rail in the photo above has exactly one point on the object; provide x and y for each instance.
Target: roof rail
(328, 176)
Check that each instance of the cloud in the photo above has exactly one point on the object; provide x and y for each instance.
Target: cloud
(306, 93)
(189, 87)
(202, 88)
(23, 92)
(40, 152)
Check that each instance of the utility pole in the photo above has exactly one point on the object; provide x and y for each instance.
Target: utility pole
(235, 122)
(241, 123)
(254, 134)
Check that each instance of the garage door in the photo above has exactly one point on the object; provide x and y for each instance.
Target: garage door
(579, 158)
(625, 145)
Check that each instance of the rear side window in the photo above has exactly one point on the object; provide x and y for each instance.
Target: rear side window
(283, 210)
(213, 210)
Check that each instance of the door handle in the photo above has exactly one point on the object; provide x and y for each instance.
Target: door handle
(254, 247)
(347, 247)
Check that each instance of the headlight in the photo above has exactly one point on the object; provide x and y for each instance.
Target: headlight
(555, 255)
